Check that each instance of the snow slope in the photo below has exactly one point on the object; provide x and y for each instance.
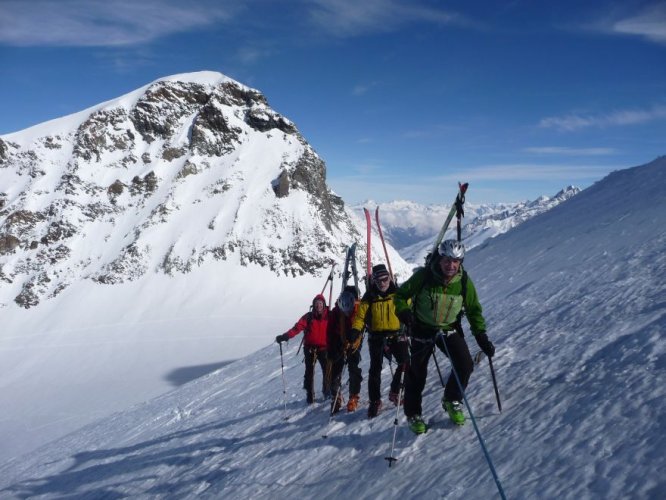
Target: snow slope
(574, 300)
(148, 240)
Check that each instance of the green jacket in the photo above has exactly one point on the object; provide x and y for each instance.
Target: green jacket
(438, 306)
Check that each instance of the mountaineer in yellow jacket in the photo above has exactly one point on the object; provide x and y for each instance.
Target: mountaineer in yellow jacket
(377, 312)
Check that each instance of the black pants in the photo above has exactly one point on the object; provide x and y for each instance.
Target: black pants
(415, 378)
(398, 348)
(355, 375)
(312, 355)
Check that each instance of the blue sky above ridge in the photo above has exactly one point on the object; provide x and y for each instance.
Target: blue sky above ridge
(401, 99)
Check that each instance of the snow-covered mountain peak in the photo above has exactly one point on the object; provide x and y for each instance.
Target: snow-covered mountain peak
(188, 168)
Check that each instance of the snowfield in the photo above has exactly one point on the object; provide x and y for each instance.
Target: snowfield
(574, 300)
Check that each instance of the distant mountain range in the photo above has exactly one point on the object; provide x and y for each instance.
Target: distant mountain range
(411, 227)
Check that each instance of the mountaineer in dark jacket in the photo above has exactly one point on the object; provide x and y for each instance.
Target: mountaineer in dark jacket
(341, 350)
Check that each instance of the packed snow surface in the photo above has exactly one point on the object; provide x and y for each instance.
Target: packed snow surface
(574, 301)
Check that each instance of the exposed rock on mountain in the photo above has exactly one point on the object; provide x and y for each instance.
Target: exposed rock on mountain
(189, 168)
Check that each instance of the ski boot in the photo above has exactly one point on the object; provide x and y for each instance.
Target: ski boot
(352, 404)
(336, 404)
(374, 408)
(416, 424)
(393, 398)
(455, 411)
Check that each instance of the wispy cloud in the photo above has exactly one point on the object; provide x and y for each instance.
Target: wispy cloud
(108, 23)
(348, 18)
(367, 184)
(363, 88)
(649, 23)
(250, 55)
(618, 118)
(529, 172)
(557, 150)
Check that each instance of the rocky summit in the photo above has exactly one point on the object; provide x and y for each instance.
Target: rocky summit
(188, 168)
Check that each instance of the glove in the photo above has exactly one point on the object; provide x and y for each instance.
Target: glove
(353, 335)
(406, 317)
(281, 338)
(485, 344)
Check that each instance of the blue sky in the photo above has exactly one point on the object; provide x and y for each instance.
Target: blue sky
(401, 98)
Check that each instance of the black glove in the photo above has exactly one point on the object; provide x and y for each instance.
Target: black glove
(281, 338)
(406, 317)
(485, 344)
(353, 335)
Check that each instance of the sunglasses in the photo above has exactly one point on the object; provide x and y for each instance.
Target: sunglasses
(385, 279)
(446, 260)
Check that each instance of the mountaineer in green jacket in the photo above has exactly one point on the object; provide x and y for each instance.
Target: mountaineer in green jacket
(434, 300)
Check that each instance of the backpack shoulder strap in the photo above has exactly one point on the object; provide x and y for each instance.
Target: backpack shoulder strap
(463, 293)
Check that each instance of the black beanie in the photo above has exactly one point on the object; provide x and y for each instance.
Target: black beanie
(351, 289)
(379, 271)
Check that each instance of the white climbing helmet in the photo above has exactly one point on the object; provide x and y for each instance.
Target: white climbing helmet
(452, 249)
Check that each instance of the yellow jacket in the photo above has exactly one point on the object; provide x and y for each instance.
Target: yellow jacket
(378, 312)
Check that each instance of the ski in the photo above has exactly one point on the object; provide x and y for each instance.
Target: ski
(368, 225)
(456, 209)
(381, 237)
(329, 280)
(350, 266)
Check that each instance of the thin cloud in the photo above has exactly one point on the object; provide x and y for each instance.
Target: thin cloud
(556, 150)
(530, 172)
(650, 23)
(366, 169)
(348, 18)
(573, 122)
(250, 55)
(363, 88)
(110, 23)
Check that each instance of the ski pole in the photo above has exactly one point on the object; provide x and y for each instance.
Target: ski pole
(434, 356)
(476, 428)
(337, 395)
(492, 373)
(478, 357)
(284, 384)
(391, 458)
(313, 353)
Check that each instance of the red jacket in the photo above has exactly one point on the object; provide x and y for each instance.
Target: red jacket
(314, 327)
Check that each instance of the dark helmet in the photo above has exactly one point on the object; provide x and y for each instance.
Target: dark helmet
(346, 302)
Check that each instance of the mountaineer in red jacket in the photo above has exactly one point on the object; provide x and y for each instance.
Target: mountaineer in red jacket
(314, 323)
